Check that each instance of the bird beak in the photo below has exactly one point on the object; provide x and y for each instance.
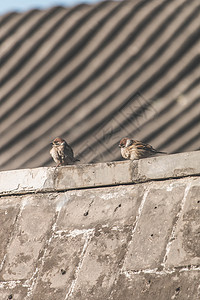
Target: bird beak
(120, 146)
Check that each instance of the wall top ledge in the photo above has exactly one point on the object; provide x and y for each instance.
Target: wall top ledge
(100, 174)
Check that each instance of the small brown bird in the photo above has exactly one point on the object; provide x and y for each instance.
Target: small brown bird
(131, 149)
(62, 153)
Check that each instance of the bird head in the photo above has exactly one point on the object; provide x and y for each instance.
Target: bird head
(125, 142)
(58, 142)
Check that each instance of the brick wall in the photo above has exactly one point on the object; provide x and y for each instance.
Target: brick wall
(117, 231)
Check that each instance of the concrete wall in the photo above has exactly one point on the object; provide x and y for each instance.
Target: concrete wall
(114, 231)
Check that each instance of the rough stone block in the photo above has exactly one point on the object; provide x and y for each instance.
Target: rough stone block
(102, 262)
(154, 226)
(175, 286)
(168, 166)
(185, 248)
(21, 181)
(93, 175)
(86, 208)
(59, 268)
(31, 233)
(9, 209)
(13, 290)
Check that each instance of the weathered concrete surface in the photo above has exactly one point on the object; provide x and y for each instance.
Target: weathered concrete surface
(101, 174)
(185, 247)
(136, 241)
(147, 247)
(149, 286)
(31, 230)
(169, 166)
(8, 214)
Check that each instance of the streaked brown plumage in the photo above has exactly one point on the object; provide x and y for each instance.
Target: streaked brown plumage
(62, 153)
(132, 149)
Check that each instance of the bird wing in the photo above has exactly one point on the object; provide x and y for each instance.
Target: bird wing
(69, 152)
(144, 146)
(141, 149)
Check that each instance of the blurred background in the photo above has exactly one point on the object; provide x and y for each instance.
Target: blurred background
(95, 72)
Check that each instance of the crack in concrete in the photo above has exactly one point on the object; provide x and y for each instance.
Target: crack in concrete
(87, 212)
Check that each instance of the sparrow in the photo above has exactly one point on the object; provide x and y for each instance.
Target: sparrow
(132, 149)
(62, 153)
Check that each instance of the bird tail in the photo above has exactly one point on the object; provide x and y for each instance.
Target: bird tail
(162, 152)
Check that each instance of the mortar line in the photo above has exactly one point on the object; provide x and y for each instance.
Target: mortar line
(71, 233)
(10, 283)
(172, 235)
(89, 234)
(190, 268)
(155, 271)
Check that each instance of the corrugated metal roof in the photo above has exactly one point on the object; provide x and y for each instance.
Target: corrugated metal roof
(96, 73)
